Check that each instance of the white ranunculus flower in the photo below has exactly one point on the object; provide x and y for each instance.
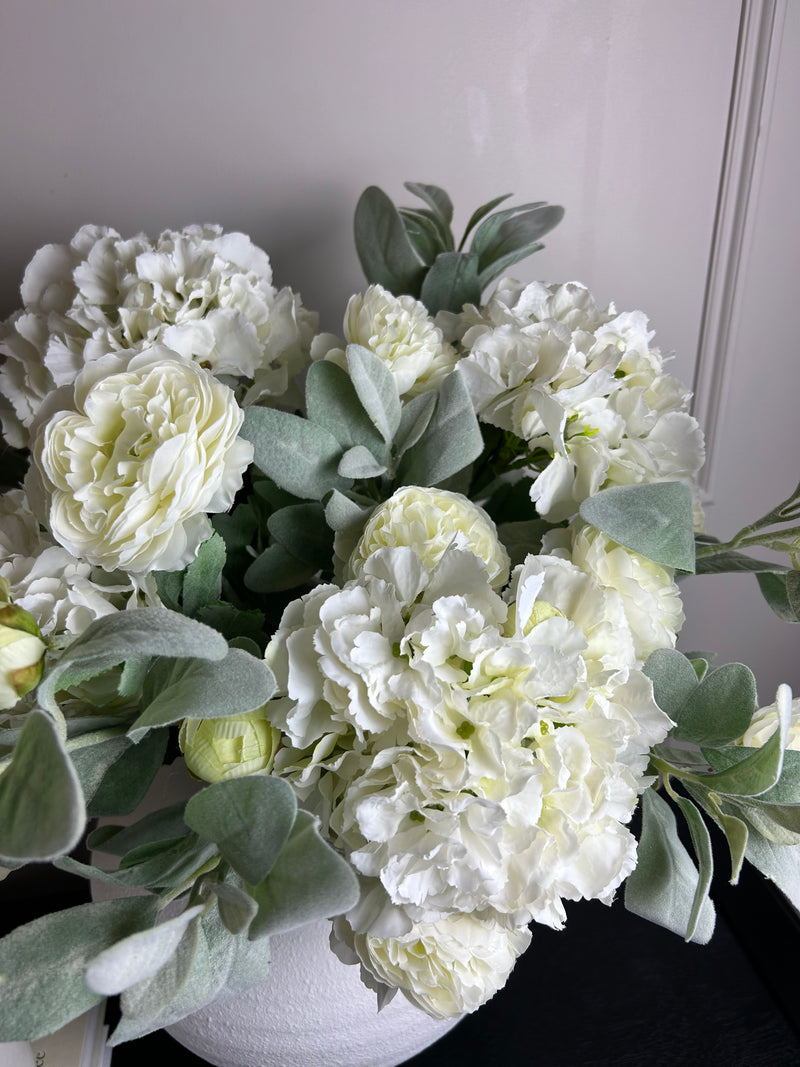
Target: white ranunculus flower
(765, 722)
(429, 521)
(580, 385)
(125, 477)
(448, 967)
(400, 331)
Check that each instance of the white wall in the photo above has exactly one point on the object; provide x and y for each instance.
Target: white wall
(272, 118)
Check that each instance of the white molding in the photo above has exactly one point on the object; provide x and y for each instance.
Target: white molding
(752, 93)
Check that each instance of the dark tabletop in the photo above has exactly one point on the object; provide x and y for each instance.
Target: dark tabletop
(609, 991)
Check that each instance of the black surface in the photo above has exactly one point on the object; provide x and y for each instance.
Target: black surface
(609, 991)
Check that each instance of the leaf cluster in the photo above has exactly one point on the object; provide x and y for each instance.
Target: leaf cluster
(412, 250)
(239, 857)
(751, 794)
(325, 472)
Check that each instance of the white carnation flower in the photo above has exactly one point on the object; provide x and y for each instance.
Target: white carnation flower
(581, 385)
(449, 967)
(429, 521)
(125, 479)
(206, 294)
(400, 331)
(62, 593)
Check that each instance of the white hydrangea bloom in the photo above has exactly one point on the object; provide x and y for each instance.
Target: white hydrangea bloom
(62, 593)
(125, 475)
(446, 968)
(206, 294)
(429, 521)
(580, 386)
(470, 753)
(400, 331)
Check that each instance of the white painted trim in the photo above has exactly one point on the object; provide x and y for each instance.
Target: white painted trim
(752, 93)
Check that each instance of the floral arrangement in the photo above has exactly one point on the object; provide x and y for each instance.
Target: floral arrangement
(404, 600)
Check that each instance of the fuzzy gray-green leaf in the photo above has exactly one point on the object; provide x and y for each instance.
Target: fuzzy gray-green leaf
(137, 956)
(451, 282)
(249, 819)
(663, 885)
(309, 881)
(451, 441)
(42, 963)
(194, 689)
(377, 390)
(653, 519)
(298, 455)
(42, 809)
(302, 530)
(384, 250)
(332, 402)
(115, 638)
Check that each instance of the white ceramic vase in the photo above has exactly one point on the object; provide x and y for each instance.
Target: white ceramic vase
(312, 1012)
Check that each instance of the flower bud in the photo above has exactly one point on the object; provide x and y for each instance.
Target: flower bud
(218, 749)
(21, 654)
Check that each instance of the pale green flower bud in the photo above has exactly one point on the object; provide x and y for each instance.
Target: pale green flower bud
(21, 654)
(218, 749)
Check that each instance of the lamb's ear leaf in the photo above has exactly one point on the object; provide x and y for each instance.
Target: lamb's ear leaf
(332, 402)
(125, 635)
(42, 810)
(175, 992)
(663, 886)
(654, 519)
(451, 441)
(377, 389)
(42, 963)
(384, 250)
(451, 282)
(249, 819)
(299, 455)
(192, 688)
(137, 956)
(309, 881)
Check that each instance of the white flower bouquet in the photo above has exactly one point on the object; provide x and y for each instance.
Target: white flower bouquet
(404, 600)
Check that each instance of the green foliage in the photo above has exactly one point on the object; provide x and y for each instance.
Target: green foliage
(412, 250)
(451, 440)
(249, 819)
(665, 885)
(176, 689)
(297, 454)
(376, 388)
(42, 810)
(113, 639)
(309, 881)
(711, 711)
(653, 519)
(333, 403)
(776, 591)
(386, 254)
(42, 963)
(137, 956)
(115, 773)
